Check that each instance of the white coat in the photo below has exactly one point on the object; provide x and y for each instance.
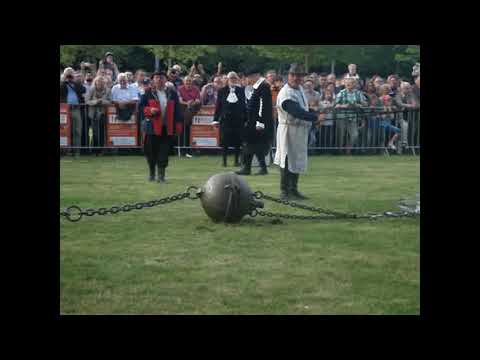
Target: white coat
(292, 133)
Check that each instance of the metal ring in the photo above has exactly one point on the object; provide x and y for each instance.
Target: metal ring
(253, 213)
(69, 215)
(193, 195)
(257, 194)
(102, 211)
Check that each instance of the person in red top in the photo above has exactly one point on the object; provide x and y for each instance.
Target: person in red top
(162, 121)
(189, 97)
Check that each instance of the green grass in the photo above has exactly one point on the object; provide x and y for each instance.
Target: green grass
(171, 259)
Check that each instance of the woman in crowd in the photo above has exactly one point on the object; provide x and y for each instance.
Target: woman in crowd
(327, 129)
(98, 97)
(387, 118)
(378, 82)
(230, 113)
(313, 99)
(107, 63)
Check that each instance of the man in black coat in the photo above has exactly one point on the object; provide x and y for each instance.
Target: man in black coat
(230, 114)
(258, 130)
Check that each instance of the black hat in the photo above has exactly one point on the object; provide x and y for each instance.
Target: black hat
(146, 81)
(252, 70)
(108, 53)
(296, 69)
(160, 73)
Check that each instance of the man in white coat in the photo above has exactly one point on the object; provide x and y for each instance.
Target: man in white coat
(294, 123)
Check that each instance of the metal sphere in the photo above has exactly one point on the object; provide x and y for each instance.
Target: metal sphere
(226, 197)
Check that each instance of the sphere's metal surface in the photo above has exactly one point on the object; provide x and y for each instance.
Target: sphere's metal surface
(226, 197)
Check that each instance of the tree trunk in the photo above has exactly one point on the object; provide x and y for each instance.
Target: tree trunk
(332, 67)
(306, 63)
(157, 63)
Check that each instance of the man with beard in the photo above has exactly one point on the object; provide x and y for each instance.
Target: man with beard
(258, 131)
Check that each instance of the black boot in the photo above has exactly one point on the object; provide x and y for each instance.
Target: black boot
(284, 184)
(161, 174)
(237, 163)
(263, 166)
(225, 159)
(247, 165)
(152, 172)
(294, 187)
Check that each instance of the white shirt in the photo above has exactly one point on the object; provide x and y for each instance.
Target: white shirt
(162, 98)
(120, 94)
(138, 89)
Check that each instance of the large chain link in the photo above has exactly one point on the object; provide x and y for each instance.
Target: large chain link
(74, 213)
(326, 214)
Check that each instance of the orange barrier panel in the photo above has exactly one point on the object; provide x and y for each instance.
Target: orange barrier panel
(202, 133)
(121, 133)
(65, 126)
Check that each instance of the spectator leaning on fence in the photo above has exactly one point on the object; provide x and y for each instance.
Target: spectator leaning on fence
(107, 63)
(98, 98)
(322, 83)
(377, 82)
(327, 127)
(348, 103)
(313, 99)
(405, 100)
(88, 81)
(394, 82)
(174, 77)
(189, 98)
(138, 85)
(332, 79)
(125, 98)
(72, 92)
(130, 78)
(352, 73)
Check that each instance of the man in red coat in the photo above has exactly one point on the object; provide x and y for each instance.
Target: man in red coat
(162, 121)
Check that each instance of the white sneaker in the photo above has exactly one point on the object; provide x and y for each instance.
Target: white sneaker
(188, 156)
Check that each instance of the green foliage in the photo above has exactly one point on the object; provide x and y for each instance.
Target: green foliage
(409, 54)
(371, 59)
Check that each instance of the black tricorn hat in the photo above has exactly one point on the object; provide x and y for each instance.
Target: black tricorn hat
(296, 69)
(108, 53)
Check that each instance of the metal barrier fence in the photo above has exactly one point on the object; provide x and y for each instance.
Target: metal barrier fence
(91, 129)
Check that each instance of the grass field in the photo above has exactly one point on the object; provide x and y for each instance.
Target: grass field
(171, 259)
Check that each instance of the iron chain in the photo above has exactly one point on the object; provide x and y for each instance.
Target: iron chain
(326, 214)
(74, 213)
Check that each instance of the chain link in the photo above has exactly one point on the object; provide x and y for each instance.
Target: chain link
(326, 214)
(74, 213)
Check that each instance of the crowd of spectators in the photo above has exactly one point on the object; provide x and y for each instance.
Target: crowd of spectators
(341, 99)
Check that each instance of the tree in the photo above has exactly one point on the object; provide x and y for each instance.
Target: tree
(305, 54)
(179, 53)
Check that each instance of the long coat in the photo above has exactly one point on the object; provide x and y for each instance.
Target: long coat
(152, 124)
(259, 108)
(231, 116)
